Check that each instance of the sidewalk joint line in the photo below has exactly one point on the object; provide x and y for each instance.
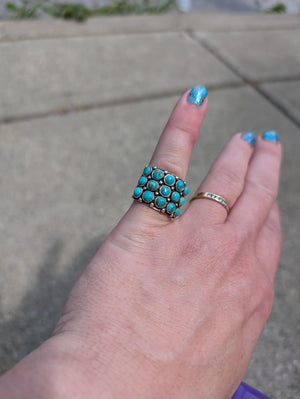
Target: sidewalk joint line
(66, 110)
(183, 29)
(272, 79)
(89, 35)
(255, 84)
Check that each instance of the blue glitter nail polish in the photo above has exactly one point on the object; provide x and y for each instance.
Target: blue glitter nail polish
(197, 95)
(271, 136)
(250, 138)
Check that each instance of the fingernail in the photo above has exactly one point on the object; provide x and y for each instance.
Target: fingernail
(250, 138)
(197, 95)
(271, 136)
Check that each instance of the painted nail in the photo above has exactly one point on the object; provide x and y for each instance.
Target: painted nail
(250, 138)
(197, 95)
(271, 136)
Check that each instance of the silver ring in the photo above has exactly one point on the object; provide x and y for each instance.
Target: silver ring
(212, 197)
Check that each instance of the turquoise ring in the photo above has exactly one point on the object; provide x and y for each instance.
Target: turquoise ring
(161, 190)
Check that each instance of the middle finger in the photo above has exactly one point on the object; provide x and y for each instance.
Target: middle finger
(261, 186)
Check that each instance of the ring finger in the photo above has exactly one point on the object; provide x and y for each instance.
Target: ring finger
(226, 178)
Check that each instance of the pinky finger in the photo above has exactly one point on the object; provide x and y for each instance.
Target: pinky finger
(269, 242)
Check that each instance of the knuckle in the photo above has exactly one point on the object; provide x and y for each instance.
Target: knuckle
(185, 131)
(260, 292)
(244, 278)
(174, 164)
(240, 289)
(225, 247)
(191, 250)
(144, 238)
(274, 226)
(236, 238)
(264, 297)
(173, 161)
(230, 177)
(266, 188)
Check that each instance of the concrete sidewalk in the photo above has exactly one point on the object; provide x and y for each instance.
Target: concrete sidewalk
(82, 105)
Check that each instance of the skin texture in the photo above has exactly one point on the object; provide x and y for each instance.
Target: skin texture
(170, 309)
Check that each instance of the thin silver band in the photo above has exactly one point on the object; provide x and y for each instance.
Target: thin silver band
(212, 197)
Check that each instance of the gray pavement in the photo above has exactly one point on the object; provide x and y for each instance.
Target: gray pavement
(82, 105)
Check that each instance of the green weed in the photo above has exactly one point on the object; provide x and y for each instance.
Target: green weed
(79, 12)
(278, 8)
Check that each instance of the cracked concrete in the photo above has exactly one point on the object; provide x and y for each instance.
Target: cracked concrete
(83, 104)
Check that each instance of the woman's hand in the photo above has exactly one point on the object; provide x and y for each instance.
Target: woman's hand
(171, 308)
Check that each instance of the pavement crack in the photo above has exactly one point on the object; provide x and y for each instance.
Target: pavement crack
(67, 109)
(255, 84)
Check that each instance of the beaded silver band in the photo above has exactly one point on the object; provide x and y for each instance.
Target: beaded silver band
(161, 190)
(213, 197)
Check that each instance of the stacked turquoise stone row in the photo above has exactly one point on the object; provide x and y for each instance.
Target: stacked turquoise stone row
(161, 190)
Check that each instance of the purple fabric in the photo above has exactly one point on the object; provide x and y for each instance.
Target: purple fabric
(244, 391)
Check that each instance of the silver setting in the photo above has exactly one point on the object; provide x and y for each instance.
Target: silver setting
(157, 192)
(212, 197)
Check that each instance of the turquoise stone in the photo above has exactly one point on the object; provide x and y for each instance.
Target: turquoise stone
(157, 174)
(142, 181)
(177, 212)
(152, 185)
(171, 207)
(137, 192)
(175, 196)
(186, 191)
(160, 202)
(148, 196)
(165, 191)
(147, 171)
(170, 180)
(180, 185)
(182, 201)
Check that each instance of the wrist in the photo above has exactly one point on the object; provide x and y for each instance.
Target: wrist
(48, 372)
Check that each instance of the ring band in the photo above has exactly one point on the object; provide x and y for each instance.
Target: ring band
(161, 190)
(212, 197)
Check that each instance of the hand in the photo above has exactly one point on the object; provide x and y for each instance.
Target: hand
(171, 308)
